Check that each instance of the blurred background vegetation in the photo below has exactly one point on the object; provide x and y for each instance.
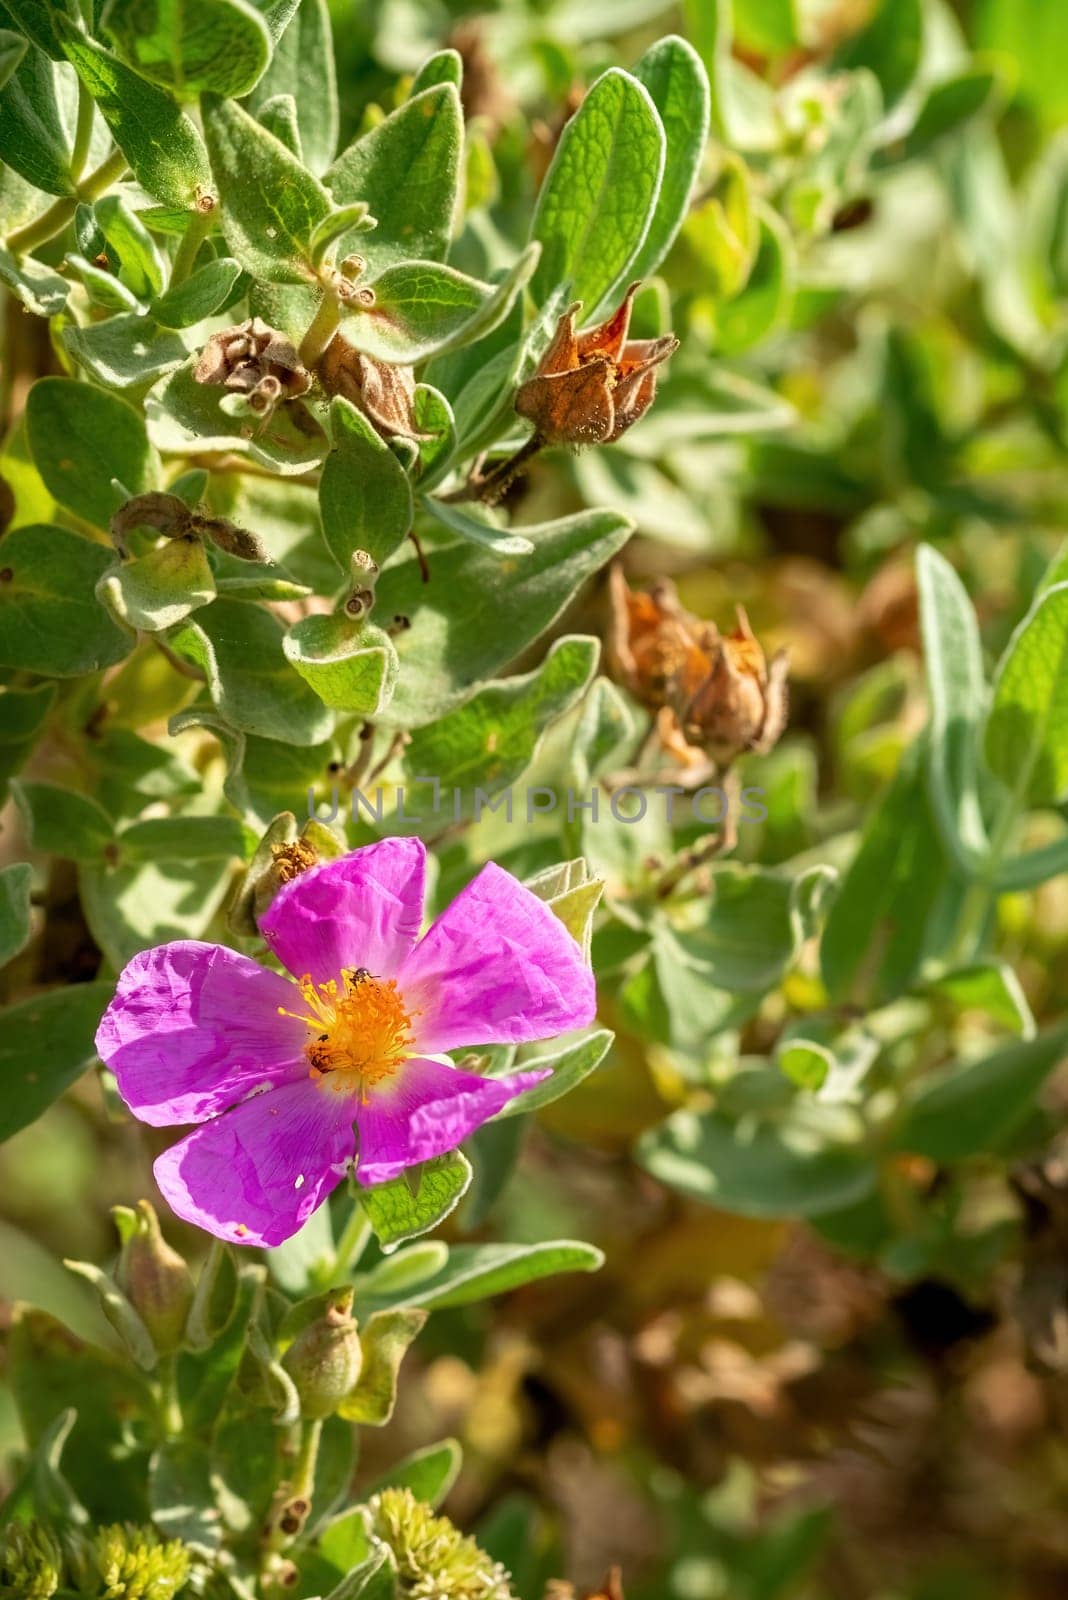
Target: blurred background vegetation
(872, 305)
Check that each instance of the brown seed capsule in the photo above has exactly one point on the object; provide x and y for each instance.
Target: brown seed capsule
(384, 393)
(242, 358)
(589, 388)
(712, 691)
(611, 1589)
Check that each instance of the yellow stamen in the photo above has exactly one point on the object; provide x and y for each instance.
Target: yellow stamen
(360, 1030)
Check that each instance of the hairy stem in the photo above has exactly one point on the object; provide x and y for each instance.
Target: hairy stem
(322, 328)
(197, 229)
(55, 219)
(495, 484)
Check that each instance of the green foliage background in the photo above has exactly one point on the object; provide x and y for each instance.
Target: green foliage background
(818, 1132)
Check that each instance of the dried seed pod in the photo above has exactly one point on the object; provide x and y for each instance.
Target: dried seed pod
(715, 692)
(590, 388)
(383, 392)
(243, 357)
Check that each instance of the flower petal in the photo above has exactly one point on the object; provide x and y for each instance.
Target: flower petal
(496, 968)
(255, 1174)
(364, 910)
(195, 1027)
(426, 1109)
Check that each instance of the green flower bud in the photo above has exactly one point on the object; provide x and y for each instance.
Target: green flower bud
(152, 1276)
(133, 1563)
(31, 1563)
(434, 1560)
(325, 1359)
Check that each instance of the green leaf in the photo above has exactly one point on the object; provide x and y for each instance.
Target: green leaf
(181, 1494)
(477, 1271)
(23, 713)
(62, 822)
(980, 1106)
(16, 884)
(876, 935)
(252, 685)
(82, 439)
(1031, 33)
(365, 498)
(806, 1063)
(767, 26)
(956, 684)
(570, 1065)
(160, 588)
(747, 936)
(131, 907)
(184, 418)
(890, 47)
(45, 1044)
(797, 1168)
(429, 1473)
(39, 288)
(183, 839)
(444, 66)
(303, 66)
(33, 140)
(50, 619)
(768, 293)
(39, 20)
(600, 194)
(677, 82)
(1027, 729)
(413, 1264)
(128, 241)
(478, 612)
(125, 352)
(352, 666)
(485, 745)
(418, 1200)
(992, 988)
(947, 106)
(384, 1339)
(270, 203)
(408, 172)
(479, 527)
(192, 46)
(52, 1371)
(422, 309)
(163, 147)
(200, 296)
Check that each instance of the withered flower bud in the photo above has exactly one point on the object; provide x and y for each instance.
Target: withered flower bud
(152, 1276)
(242, 358)
(589, 388)
(713, 691)
(384, 393)
(326, 1358)
(163, 513)
(228, 536)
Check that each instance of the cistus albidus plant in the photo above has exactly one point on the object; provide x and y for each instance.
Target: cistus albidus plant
(489, 1000)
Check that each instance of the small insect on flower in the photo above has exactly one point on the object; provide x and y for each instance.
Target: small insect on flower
(293, 1083)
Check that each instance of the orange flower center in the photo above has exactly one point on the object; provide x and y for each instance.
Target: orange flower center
(361, 1032)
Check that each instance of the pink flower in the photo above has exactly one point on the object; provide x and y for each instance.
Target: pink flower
(293, 1082)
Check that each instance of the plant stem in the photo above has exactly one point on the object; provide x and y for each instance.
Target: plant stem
(303, 1480)
(83, 132)
(55, 219)
(495, 484)
(170, 1411)
(355, 1237)
(196, 231)
(322, 328)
